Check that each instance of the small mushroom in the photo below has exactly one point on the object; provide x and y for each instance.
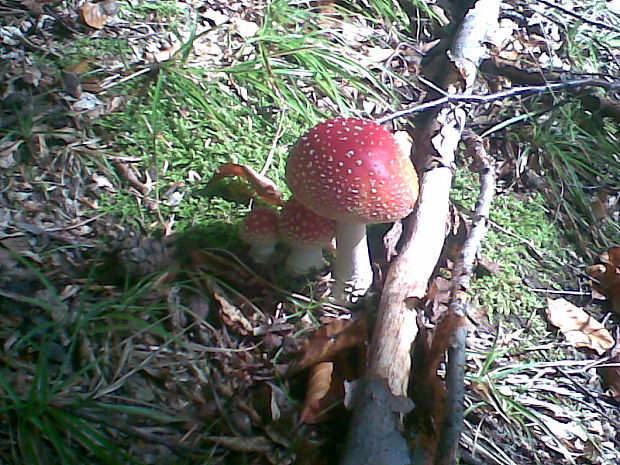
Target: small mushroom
(260, 231)
(308, 234)
(353, 171)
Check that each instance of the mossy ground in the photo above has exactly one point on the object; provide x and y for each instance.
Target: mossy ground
(147, 348)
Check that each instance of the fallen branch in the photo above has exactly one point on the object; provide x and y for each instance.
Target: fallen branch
(407, 279)
(459, 302)
(592, 22)
(606, 107)
(488, 98)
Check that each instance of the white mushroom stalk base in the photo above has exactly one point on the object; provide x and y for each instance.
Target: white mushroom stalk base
(261, 253)
(302, 261)
(352, 270)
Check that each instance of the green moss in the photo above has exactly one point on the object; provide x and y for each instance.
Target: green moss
(522, 221)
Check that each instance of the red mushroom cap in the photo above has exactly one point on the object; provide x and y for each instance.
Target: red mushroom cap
(303, 228)
(352, 169)
(260, 226)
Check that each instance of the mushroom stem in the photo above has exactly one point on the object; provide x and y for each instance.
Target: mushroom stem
(352, 270)
(301, 261)
(260, 253)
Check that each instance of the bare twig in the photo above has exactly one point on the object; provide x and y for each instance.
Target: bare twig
(514, 92)
(560, 292)
(406, 282)
(609, 27)
(455, 376)
(274, 144)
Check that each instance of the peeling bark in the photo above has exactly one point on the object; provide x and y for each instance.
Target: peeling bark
(407, 279)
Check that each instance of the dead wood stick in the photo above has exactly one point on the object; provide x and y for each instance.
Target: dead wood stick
(455, 374)
(580, 17)
(407, 278)
(504, 94)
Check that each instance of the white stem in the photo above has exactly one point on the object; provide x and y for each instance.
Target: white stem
(261, 253)
(302, 261)
(352, 270)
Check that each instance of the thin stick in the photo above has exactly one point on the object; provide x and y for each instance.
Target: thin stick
(274, 144)
(514, 92)
(592, 22)
(461, 280)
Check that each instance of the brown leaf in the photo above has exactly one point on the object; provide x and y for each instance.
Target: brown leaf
(231, 315)
(329, 340)
(264, 187)
(80, 67)
(320, 383)
(7, 152)
(96, 15)
(428, 390)
(37, 5)
(611, 377)
(612, 256)
(579, 328)
(606, 277)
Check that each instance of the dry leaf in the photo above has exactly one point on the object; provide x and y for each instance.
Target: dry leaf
(265, 188)
(245, 29)
(606, 277)
(579, 328)
(611, 377)
(320, 383)
(428, 392)
(96, 15)
(7, 152)
(37, 5)
(330, 340)
(231, 315)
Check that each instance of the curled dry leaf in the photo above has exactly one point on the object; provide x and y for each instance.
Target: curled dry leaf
(96, 15)
(330, 340)
(606, 277)
(7, 153)
(231, 315)
(610, 375)
(579, 328)
(427, 388)
(320, 383)
(264, 187)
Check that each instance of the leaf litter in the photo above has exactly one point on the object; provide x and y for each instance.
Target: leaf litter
(208, 374)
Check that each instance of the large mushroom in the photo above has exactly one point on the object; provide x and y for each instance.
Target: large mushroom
(259, 230)
(308, 234)
(353, 171)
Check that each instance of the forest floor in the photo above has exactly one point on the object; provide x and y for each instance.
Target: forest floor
(134, 326)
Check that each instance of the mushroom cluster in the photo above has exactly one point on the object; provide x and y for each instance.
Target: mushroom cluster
(343, 173)
(259, 230)
(307, 234)
(353, 171)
